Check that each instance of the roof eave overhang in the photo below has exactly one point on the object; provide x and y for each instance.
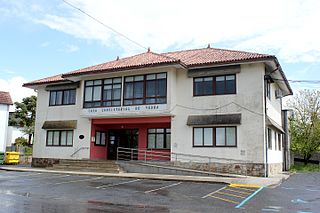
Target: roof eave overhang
(37, 85)
(77, 76)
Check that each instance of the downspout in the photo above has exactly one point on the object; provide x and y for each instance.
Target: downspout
(265, 129)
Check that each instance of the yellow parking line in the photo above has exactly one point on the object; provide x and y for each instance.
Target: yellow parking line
(227, 200)
(250, 190)
(244, 185)
(246, 193)
(232, 195)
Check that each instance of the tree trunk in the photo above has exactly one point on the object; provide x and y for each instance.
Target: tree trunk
(306, 158)
(29, 139)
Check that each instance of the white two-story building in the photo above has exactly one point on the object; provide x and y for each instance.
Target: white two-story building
(210, 102)
(5, 102)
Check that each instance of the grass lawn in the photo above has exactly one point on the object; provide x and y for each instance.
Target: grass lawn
(305, 168)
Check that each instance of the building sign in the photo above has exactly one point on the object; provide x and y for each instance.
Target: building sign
(103, 111)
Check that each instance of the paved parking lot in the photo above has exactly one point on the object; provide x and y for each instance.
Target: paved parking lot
(46, 192)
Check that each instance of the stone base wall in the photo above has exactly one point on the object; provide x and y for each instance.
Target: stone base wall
(274, 168)
(250, 169)
(44, 162)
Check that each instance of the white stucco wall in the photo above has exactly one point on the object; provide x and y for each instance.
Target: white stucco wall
(273, 106)
(250, 134)
(4, 116)
(55, 113)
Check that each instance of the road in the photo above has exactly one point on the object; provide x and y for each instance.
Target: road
(45, 192)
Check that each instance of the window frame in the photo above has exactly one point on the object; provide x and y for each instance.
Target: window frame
(62, 97)
(164, 133)
(279, 141)
(102, 85)
(145, 97)
(60, 131)
(214, 135)
(105, 138)
(214, 83)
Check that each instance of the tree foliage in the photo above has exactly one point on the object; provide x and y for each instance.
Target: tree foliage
(24, 115)
(305, 123)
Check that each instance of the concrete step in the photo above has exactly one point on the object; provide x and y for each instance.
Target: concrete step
(89, 165)
(87, 161)
(87, 169)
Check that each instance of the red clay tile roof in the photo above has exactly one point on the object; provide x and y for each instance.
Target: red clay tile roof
(186, 58)
(5, 98)
(206, 56)
(148, 59)
(52, 79)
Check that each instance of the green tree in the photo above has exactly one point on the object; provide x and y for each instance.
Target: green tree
(305, 123)
(24, 115)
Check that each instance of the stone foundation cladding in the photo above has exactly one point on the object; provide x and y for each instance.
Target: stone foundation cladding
(44, 162)
(251, 169)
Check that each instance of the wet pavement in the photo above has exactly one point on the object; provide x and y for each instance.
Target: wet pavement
(45, 192)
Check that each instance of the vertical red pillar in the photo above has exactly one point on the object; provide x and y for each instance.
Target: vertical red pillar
(142, 142)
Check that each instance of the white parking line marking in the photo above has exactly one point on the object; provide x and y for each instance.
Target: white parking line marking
(164, 187)
(74, 181)
(211, 193)
(51, 177)
(116, 184)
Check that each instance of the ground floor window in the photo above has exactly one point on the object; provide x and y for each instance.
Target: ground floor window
(100, 139)
(59, 137)
(159, 138)
(215, 136)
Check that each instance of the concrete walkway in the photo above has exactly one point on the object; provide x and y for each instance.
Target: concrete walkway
(260, 181)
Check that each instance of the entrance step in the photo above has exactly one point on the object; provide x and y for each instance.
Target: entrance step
(87, 166)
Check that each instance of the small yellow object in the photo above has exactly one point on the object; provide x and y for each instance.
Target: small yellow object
(244, 185)
(12, 157)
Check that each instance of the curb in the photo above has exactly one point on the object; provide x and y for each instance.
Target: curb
(131, 175)
(265, 182)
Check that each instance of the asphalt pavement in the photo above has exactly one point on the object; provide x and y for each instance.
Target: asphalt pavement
(51, 192)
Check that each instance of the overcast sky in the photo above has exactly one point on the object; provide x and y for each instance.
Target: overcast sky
(40, 38)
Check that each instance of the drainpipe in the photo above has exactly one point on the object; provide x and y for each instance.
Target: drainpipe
(265, 129)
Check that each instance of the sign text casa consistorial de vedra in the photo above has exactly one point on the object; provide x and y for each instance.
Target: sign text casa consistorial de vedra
(123, 109)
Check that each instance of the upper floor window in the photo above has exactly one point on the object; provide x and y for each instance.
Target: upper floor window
(62, 97)
(145, 89)
(215, 85)
(103, 92)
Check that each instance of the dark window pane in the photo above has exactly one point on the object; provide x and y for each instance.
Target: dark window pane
(128, 90)
(162, 87)
(220, 85)
(150, 100)
(88, 94)
(230, 84)
(52, 98)
(137, 101)
(207, 87)
(151, 88)
(198, 88)
(161, 100)
(128, 102)
(107, 93)
(72, 97)
(116, 94)
(59, 98)
(138, 90)
(116, 103)
(66, 95)
(97, 93)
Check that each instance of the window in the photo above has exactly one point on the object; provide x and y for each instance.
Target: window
(218, 85)
(159, 138)
(62, 97)
(102, 93)
(269, 138)
(145, 89)
(100, 139)
(214, 137)
(268, 89)
(59, 137)
(279, 141)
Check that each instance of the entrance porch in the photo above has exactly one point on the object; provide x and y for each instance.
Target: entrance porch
(110, 133)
